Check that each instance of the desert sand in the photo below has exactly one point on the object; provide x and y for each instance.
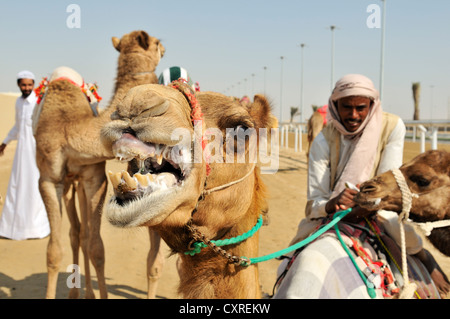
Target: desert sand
(23, 273)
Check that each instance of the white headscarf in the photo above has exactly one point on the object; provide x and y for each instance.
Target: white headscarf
(25, 75)
(365, 140)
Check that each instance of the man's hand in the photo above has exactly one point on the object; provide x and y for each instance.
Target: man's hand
(2, 148)
(341, 202)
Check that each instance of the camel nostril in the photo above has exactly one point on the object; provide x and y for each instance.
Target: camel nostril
(367, 188)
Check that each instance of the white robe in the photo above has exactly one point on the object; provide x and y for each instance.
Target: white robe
(24, 215)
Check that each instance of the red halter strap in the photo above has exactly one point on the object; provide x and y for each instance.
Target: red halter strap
(196, 111)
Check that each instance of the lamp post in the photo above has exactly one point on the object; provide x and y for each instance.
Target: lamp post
(265, 68)
(431, 101)
(332, 56)
(383, 33)
(301, 83)
(281, 89)
(253, 84)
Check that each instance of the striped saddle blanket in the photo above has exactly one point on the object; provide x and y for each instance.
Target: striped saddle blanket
(323, 269)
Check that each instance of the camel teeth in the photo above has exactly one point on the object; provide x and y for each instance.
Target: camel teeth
(159, 158)
(129, 180)
(142, 179)
(115, 179)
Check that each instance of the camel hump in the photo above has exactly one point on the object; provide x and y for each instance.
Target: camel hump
(69, 73)
(89, 89)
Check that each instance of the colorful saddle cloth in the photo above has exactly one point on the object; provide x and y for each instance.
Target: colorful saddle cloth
(323, 269)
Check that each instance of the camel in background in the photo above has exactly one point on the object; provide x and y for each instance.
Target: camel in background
(427, 176)
(188, 192)
(71, 159)
(315, 125)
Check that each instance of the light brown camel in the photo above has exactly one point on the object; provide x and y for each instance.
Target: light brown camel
(170, 187)
(71, 158)
(427, 176)
(315, 125)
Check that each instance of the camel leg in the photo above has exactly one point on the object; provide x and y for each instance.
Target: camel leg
(84, 241)
(51, 194)
(95, 191)
(155, 263)
(69, 200)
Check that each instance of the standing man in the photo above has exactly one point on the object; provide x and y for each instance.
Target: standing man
(24, 215)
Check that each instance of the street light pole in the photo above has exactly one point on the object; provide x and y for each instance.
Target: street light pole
(383, 33)
(253, 84)
(301, 83)
(332, 56)
(265, 68)
(281, 89)
(431, 101)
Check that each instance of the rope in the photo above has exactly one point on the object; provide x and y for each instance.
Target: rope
(336, 218)
(409, 288)
(429, 226)
(209, 191)
(370, 286)
(197, 246)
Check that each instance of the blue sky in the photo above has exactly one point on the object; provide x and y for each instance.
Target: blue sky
(222, 43)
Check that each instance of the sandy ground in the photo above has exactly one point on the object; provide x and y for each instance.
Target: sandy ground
(23, 273)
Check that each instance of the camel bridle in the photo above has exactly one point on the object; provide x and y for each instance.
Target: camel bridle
(407, 198)
(195, 234)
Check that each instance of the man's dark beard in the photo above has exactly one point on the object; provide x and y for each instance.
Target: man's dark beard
(26, 94)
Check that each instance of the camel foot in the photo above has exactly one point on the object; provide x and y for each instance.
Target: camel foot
(89, 294)
(74, 293)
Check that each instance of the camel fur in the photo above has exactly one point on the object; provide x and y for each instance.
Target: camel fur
(71, 159)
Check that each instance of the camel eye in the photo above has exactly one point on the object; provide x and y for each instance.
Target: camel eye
(420, 181)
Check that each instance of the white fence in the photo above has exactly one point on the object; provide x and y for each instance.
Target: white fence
(297, 128)
(434, 130)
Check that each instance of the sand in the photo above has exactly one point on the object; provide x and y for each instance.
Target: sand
(23, 273)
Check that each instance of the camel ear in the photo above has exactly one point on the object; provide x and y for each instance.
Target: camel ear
(116, 43)
(144, 40)
(261, 112)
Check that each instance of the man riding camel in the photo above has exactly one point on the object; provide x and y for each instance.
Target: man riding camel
(359, 142)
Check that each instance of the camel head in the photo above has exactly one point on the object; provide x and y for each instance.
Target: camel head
(175, 151)
(427, 176)
(138, 51)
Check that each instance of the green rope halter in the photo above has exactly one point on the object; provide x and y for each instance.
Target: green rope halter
(336, 218)
(197, 246)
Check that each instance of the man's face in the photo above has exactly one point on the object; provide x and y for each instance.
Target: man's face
(353, 110)
(26, 87)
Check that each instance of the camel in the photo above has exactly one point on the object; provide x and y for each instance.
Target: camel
(315, 125)
(71, 159)
(184, 181)
(427, 176)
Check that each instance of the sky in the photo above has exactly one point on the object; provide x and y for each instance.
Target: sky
(225, 46)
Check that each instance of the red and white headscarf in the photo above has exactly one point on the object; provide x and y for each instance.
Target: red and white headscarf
(365, 140)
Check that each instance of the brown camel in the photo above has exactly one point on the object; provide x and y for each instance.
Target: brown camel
(170, 187)
(427, 176)
(315, 125)
(71, 158)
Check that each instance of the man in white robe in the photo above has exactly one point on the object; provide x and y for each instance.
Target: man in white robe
(24, 215)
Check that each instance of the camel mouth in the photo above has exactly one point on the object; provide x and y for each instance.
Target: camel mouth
(368, 203)
(155, 183)
(152, 168)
